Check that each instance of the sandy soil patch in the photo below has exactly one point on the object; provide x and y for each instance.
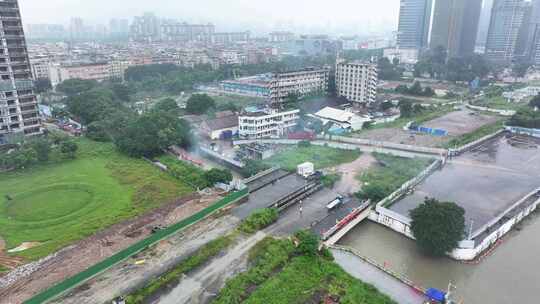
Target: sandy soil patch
(349, 184)
(23, 246)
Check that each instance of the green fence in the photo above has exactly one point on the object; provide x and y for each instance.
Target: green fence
(94, 270)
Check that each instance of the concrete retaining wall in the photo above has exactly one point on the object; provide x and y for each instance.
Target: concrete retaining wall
(496, 111)
(467, 147)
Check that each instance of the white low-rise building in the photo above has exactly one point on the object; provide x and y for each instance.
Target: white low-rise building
(344, 119)
(268, 123)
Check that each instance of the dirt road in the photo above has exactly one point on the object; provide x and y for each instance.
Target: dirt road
(202, 285)
(126, 277)
(29, 279)
(349, 184)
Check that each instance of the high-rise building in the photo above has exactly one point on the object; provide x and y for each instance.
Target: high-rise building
(18, 104)
(414, 21)
(172, 30)
(455, 25)
(357, 81)
(506, 19)
(532, 44)
(77, 30)
(483, 26)
(145, 28)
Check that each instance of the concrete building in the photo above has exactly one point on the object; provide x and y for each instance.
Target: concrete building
(455, 26)
(230, 37)
(117, 69)
(18, 103)
(345, 120)
(300, 83)
(40, 68)
(356, 81)
(256, 86)
(281, 36)
(483, 25)
(93, 71)
(172, 30)
(414, 21)
(145, 28)
(45, 31)
(506, 19)
(532, 43)
(224, 126)
(312, 45)
(267, 123)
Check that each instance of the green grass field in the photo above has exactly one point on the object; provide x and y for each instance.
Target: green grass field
(60, 202)
(501, 103)
(321, 157)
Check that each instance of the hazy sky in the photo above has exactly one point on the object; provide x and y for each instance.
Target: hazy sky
(347, 16)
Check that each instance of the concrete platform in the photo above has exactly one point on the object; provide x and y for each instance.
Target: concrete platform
(485, 181)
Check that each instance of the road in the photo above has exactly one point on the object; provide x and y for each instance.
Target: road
(368, 273)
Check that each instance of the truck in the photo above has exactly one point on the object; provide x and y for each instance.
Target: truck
(338, 201)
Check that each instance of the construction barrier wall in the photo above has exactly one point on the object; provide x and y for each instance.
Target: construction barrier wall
(98, 268)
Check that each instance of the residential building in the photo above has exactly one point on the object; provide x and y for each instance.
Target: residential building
(313, 45)
(172, 30)
(300, 83)
(256, 86)
(414, 22)
(18, 103)
(267, 123)
(77, 30)
(532, 46)
(119, 28)
(145, 28)
(230, 37)
(117, 69)
(45, 31)
(40, 68)
(455, 26)
(506, 20)
(92, 71)
(281, 36)
(356, 81)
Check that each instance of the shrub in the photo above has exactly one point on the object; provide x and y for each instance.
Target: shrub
(259, 220)
(308, 243)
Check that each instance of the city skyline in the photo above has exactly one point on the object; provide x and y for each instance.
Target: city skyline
(319, 18)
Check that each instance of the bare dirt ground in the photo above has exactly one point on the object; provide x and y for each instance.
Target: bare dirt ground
(8, 261)
(349, 184)
(126, 277)
(203, 284)
(456, 123)
(29, 279)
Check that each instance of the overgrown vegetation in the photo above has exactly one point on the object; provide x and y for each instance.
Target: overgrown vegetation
(475, 135)
(193, 175)
(97, 189)
(35, 150)
(389, 175)
(173, 276)
(258, 220)
(283, 273)
(438, 227)
(526, 118)
(415, 90)
(329, 180)
(320, 156)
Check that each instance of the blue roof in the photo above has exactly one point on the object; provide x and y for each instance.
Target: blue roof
(435, 294)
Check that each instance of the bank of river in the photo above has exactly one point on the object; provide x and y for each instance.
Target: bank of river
(510, 275)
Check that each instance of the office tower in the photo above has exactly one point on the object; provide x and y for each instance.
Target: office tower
(76, 29)
(506, 19)
(18, 104)
(414, 21)
(455, 25)
(483, 25)
(531, 50)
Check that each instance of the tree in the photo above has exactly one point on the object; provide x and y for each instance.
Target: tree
(42, 146)
(438, 227)
(535, 102)
(121, 91)
(388, 70)
(150, 133)
(92, 105)
(42, 85)
(98, 131)
(406, 108)
(69, 148)
(167, 105)
(252, 167)
(308, 242)
(526, 118)
(215, 175)
(72, 87)
(199, 104)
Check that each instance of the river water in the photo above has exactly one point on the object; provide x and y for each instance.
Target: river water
(511, 274)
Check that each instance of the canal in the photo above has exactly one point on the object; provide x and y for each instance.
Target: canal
(509, 275)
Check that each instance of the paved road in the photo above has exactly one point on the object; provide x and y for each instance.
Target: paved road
(360, 269)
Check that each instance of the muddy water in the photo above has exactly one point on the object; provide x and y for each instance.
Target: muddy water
(510, 275)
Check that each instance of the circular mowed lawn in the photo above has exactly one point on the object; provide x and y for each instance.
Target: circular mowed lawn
(48, 203)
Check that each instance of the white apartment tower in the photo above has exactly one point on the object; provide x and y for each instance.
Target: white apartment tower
(356, 81)
(18, 104)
